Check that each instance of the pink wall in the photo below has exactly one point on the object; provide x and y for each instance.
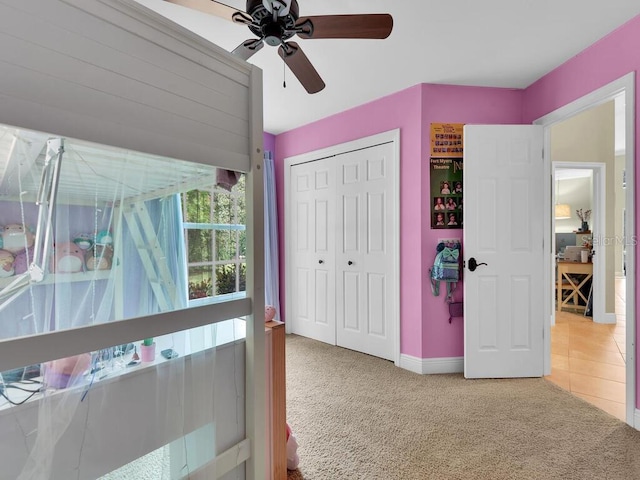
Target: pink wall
(453, 104)
(607, 60)
(398, 111)
(269, 142)
(425, 331)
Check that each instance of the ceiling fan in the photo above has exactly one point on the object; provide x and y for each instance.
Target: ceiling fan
(275, 22)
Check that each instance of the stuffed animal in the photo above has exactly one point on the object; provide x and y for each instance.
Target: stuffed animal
(99, 257)
(6, 263)
(83, 240)
(15, 238)
(65, 372)
(22, 260)
(69, 258)
(269, 313)
(292, 450)
(104, 238)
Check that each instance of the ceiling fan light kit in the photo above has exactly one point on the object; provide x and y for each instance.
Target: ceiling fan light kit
(274, 22)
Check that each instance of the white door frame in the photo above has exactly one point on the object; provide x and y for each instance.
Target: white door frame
(362, 143)
(626, 85)
(598, 223)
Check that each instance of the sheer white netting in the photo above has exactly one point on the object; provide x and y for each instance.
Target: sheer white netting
(93, 236)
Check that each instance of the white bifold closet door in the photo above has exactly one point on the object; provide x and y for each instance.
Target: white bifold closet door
(343, 262)
(313, 235)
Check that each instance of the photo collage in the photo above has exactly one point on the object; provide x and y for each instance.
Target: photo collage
(446, 191)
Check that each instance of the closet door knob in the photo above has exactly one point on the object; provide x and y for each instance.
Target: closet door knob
(350, 262)
(320, 262)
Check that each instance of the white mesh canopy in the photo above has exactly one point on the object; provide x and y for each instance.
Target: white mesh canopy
(92, 250)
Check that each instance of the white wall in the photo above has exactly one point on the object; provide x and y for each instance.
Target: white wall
(578, 193)
(590, 137)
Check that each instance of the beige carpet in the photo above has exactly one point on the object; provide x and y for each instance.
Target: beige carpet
(359, 417)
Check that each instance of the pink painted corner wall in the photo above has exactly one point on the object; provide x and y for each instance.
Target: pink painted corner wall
(453, 104)
(398, 111)
(605, 61)
(269, 142)
(425, 332)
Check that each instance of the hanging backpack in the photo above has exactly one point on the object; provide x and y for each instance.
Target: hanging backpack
(446, 268)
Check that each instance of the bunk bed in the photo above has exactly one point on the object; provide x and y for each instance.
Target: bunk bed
(108, 111)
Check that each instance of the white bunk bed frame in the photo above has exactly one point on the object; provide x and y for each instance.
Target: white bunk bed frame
(115, 73)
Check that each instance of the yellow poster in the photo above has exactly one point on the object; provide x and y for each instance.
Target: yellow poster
(446, 140)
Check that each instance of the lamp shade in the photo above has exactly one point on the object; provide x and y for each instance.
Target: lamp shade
(563, 211)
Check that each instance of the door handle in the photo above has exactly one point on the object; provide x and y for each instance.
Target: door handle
(473, 264)
(320, 262)
(349, 262)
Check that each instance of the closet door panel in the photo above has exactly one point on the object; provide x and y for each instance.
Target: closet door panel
(363, 188)
(303, 293)
(349, 233)
(351, 315)
(323, 293)
(376, 297)
(350, 223)
(313, 205)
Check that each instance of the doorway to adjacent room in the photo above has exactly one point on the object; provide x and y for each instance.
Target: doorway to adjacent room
(592, 359)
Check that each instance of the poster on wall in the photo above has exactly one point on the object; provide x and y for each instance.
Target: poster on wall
(446, 192)
(446, 140)
(446, 189)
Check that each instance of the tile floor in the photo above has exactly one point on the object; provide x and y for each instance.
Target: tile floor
(588, 359)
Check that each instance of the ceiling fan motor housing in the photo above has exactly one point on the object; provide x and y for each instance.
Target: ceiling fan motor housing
(281, 6)
(273, 32)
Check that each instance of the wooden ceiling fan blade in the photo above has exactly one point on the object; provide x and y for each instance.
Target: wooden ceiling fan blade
(216, 8)
(375, 25)
(247, 48)
(301, 67)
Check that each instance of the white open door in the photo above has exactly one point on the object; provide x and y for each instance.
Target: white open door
(504, 236)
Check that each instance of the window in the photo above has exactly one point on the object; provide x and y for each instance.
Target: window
(216, 240)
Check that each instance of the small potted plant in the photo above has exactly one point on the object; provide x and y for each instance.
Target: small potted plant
(584, 217)
(148, 350)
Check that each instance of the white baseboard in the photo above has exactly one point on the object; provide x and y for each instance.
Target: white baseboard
(430, 366)
(636, 420)
(609, 318)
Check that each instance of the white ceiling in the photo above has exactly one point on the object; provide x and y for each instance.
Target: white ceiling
(500, 43)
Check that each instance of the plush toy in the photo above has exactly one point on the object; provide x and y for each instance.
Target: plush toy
(69, 258)
(99, 257)
(104, 238)
(292, 450)
(83, 240)
(6, 263)
(269, 313)
(64, 372)
(22, 260)
(15, 238)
